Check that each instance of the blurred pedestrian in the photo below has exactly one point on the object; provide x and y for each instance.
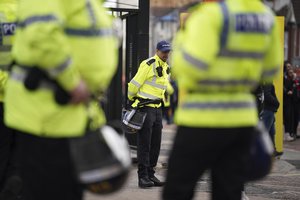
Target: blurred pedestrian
(287, 67)
(271, 105)
(10, 182)
(288, 105)
(296, 100)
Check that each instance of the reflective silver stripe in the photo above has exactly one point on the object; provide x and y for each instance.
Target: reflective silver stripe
(91, 13)
(154, 79)
(154, 70)
(128, 116)
(131, 125)
(219, 105)
(60, 68)
(36, 19)
(241, 54)
(20, 77)
(90, 176)
(89, 32)
(149, 96)
(271, 72)
(195, 61)
(5, 48)
(225, 83)
(17, 76)
(134, 82)
(131, 93)
(156, 85)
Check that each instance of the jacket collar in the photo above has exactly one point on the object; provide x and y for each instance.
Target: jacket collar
(159, 60)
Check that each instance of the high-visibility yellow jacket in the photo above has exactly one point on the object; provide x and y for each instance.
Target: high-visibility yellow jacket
(8, 10)
(147, 84)
(71, 40)
(225, 50)
(168, 93)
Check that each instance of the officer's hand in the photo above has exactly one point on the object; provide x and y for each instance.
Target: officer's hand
(80, 94)
(290, 93)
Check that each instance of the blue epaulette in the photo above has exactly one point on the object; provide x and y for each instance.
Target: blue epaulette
(151, 61)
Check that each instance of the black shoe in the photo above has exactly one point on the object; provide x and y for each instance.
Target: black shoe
(277, 154)
(145, 183)
(156, 181)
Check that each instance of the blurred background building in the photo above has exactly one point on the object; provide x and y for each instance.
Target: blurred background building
(164, 20)
(290, 9)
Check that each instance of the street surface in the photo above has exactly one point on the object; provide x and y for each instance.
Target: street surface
(282, 184)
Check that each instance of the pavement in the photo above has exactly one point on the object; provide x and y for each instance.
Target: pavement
(283, 183)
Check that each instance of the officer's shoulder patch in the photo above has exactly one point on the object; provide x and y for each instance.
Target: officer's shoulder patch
(151, 61)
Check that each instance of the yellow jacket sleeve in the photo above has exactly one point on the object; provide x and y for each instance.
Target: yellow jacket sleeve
(3, 79)
(274, 56)
(98, 66)
(43, 42)
(170, 89)
(138, 80)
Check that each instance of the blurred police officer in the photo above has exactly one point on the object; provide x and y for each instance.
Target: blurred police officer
(61, 50)
(10, 183)
(150, 83)
(223, 53)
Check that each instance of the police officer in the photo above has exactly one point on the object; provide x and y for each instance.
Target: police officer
(61, 50)
(150, 83)
(223, 53)
(10, 183)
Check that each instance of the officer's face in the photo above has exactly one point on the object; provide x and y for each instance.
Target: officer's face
(164, 56)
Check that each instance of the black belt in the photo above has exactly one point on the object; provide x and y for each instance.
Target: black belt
(144, 102)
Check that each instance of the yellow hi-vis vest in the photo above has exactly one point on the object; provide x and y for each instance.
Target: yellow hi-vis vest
(147, 84)
(224, 52)
(70, 40)
(8, 10)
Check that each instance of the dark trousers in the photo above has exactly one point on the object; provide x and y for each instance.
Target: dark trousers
(195, 150)
(148, 142)
(296, 117)
(268, 118)
(288, 116)
(8, 164)
(46, 169)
